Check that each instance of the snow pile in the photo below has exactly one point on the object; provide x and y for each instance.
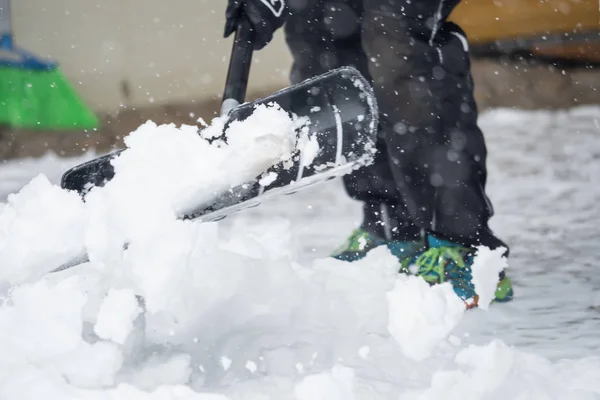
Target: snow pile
(486, 269)
(496, 371)
(422, 316)
(336, 384)
(41, 226)
(117, 314)
(168, 171)
(202, 312)
(177, 169)
(164, 171)
(41, 336)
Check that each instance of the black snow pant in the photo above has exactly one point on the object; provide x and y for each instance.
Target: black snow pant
(429, 175)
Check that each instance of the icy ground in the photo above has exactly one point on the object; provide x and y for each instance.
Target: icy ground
(251, 308)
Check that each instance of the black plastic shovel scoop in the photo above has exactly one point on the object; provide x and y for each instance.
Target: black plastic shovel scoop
(343, 118)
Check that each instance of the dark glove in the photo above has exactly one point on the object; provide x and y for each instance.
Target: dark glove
(265, 17)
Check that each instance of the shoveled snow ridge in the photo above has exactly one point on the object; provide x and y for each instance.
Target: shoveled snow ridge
(229, 311)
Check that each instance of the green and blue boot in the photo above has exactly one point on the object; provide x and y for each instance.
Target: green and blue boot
(361, 242)
(445, 261)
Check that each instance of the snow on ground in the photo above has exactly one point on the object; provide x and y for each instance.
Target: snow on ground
(16, 173)
(251, 307)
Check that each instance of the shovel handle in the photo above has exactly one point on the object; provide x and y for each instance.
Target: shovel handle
(239, 68)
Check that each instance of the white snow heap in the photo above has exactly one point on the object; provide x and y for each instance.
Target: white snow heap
(169, 171)
(336, 384)
(117, 314)
(158, 371)
(230, 310)
(496, 371)
(43, 217)
(163, 173)
(422, 316)
(486, 269)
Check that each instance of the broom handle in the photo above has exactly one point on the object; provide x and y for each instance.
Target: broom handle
(5, 28)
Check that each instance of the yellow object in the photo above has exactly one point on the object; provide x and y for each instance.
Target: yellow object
(489, 20)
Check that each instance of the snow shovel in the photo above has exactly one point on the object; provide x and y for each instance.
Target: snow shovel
(344, 118)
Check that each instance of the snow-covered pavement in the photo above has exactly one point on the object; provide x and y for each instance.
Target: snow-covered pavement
(251, 308)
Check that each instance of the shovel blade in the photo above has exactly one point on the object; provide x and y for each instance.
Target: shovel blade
(340, 105)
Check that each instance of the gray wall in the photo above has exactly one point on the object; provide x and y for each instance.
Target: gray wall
(137, 52)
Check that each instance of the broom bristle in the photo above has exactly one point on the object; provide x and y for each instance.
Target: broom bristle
(41, 99)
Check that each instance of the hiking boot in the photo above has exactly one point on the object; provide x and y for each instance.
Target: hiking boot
(362, 241)
(445, 261)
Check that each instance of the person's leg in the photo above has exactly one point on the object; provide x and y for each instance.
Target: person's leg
(422, 80)
(421, 74)
(323, 35)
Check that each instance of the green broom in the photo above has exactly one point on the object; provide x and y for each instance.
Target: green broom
(35, 93)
